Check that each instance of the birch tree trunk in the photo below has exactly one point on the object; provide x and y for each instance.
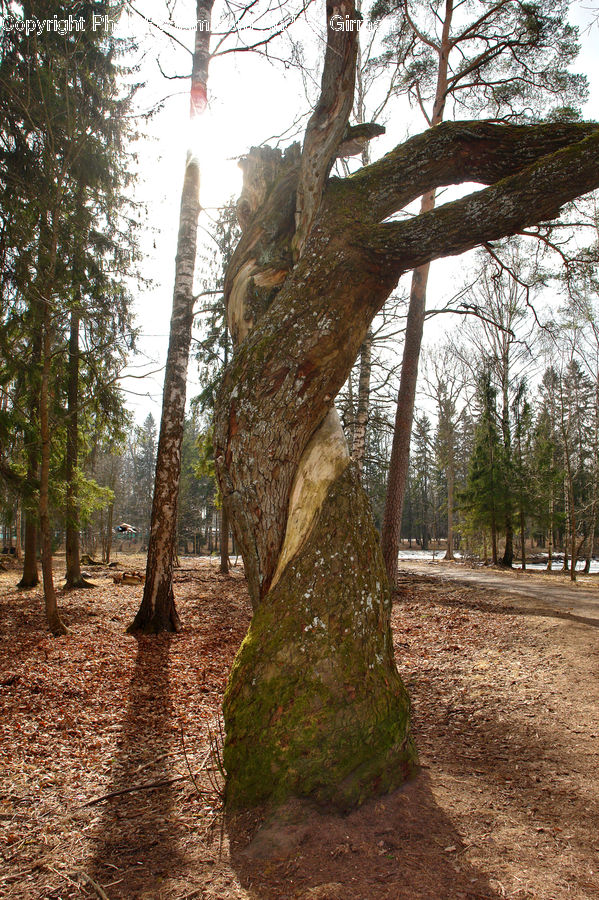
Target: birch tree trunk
(158, 611)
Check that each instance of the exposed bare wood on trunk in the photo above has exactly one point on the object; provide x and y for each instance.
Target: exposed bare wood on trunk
(157, 611)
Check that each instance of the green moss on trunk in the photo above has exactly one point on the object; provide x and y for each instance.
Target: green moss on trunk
(315, 706)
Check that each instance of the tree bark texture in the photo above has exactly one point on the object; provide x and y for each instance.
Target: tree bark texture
(158, 611)
(361, 420)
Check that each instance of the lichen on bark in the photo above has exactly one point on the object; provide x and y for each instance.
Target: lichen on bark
(315, 706)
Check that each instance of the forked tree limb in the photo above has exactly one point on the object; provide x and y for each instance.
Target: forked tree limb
(535, 194)
(449, 153)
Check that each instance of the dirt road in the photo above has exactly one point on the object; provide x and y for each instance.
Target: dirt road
(553, 592)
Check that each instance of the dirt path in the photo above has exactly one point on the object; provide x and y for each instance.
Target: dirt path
(578, 601)
(505, 697)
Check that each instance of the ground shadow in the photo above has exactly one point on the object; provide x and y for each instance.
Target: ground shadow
(502, 604)
(136, 842)
(536, 801)
(399, 847)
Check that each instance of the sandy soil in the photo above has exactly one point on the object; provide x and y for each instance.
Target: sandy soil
(100, 732)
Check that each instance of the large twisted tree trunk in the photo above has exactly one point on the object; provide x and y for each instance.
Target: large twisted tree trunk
(314, 704)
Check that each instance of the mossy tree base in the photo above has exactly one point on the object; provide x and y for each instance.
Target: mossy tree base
(315, 706)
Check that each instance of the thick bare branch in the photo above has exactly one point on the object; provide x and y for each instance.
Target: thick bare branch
(534, 194)
(450, 153)
(328, 121)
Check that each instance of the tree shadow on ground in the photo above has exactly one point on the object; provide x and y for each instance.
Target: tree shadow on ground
(137, 839)
(401, 846)
(536, 804)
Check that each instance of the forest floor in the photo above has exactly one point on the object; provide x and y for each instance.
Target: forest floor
(505, 695)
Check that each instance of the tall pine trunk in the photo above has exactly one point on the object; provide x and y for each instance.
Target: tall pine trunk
(397, 478)
(55, 623)
(74, 578)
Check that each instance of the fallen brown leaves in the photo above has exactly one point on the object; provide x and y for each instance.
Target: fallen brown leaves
(107, 782)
